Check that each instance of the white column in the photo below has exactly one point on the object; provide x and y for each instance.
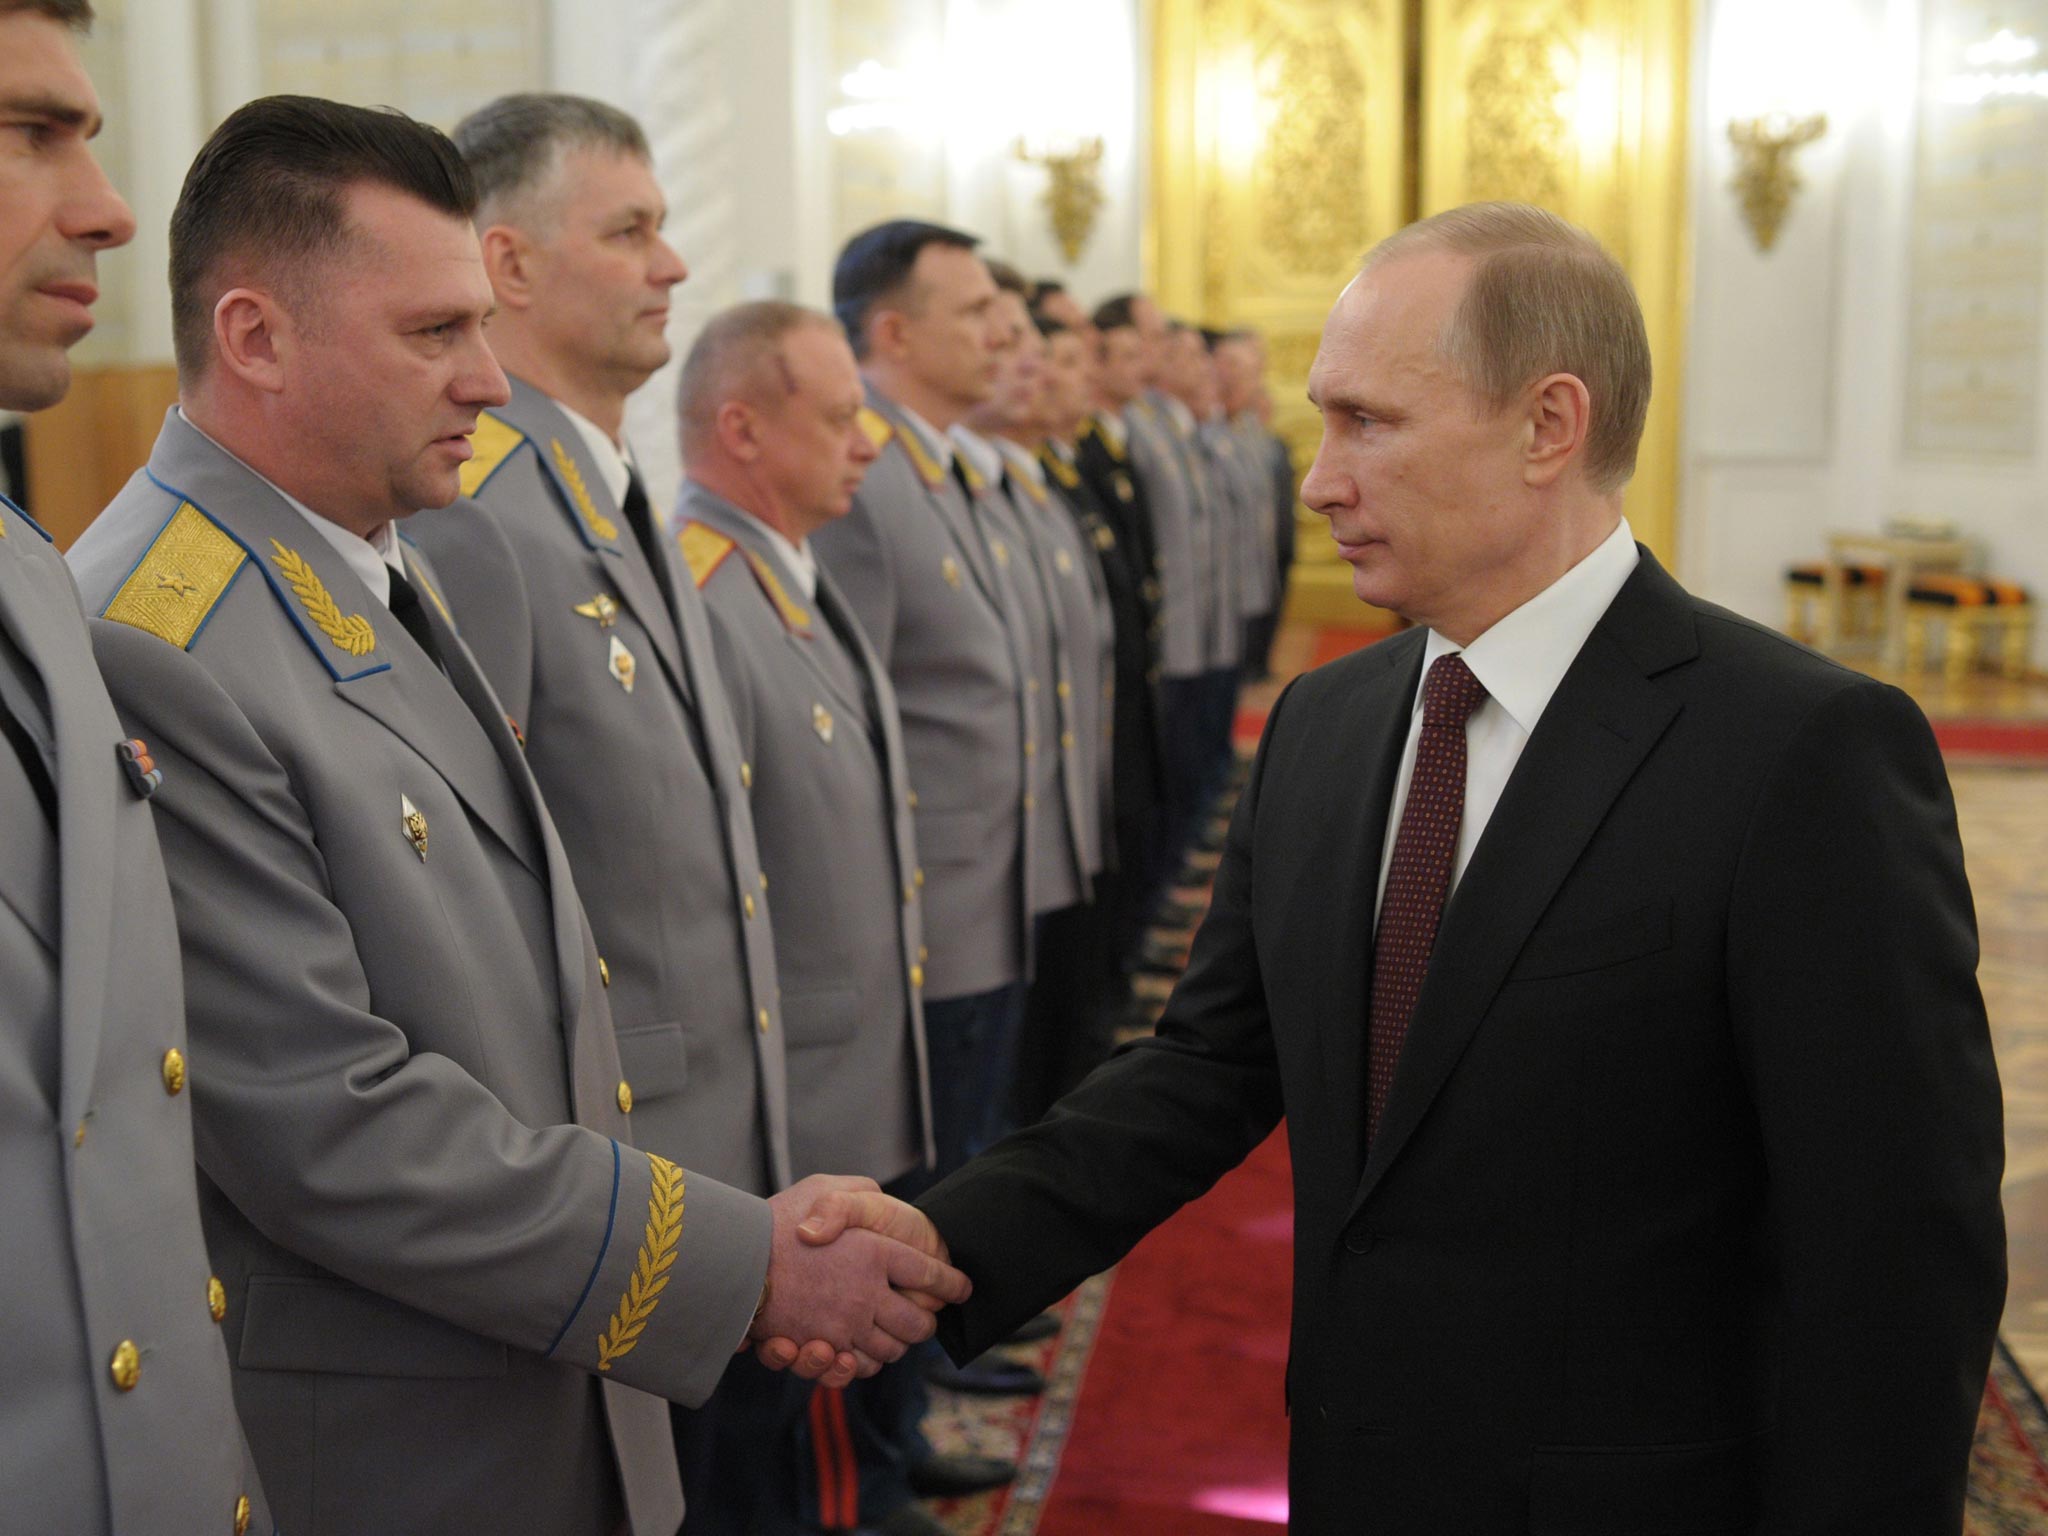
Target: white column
(165, 122)
(681, 96)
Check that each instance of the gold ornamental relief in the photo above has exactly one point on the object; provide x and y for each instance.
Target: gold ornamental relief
(1517, 131)
(1310, 175)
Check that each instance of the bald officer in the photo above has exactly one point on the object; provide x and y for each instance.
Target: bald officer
(115, 1412)
(421, 1183)
(770, 406)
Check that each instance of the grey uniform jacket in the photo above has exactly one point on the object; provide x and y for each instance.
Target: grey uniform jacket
(115, 1410)
(1180, 533)
(1059, 854)
(1078, 603)
(818, 720)
(1244, 496)
(647, 786)
(1216, 550)
(917, 576)
(446, 1264)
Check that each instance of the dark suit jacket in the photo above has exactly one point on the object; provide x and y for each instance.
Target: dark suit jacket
(1684, 1213)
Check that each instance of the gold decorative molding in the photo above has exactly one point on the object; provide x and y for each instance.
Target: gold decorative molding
(1073, 190)
(1516, 132)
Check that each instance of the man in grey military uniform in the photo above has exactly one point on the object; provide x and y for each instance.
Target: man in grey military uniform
(770, 404)
(571, 601)
(421, 1187)
(115, 1409)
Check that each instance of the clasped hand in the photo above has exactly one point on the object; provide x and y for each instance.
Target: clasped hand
(856, 1273)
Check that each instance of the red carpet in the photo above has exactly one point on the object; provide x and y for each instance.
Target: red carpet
(1180, 1429)
(2006, 740)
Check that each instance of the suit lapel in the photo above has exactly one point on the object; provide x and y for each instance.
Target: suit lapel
(1603, 721)
(1330, 919)
(82, 730)
(946, 494)
(468, 681)
(580, 489)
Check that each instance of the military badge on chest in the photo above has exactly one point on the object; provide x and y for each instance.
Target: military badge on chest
(620, 662)
(821, 722)
(414, 825)
(604, 610)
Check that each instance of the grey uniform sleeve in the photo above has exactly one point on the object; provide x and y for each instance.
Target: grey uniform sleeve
(398, 1170)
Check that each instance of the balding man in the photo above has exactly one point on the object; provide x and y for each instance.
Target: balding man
(1611, 960)
(115, 1409)
(770, 405)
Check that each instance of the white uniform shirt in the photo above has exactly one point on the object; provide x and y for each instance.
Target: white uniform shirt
(1520, 662)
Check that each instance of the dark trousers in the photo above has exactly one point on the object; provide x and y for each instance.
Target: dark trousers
(1259, 631)
(972, 1042)
(1066, 1033)
(737, 1454)
(1184, 766)
(1218, 720)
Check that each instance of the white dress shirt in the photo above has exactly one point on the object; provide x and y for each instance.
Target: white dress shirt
(1520, 662)
(936, 443)
(373, 559)
(982, 456)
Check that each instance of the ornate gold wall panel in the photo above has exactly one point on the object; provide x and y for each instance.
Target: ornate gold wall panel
(1578, 105)
(1280, 155)
(1277, 161)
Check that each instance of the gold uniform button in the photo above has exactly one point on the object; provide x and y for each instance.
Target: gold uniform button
(604, 972)
(1031, 685)
(216, 1298)
(126, 1366)
(1030, 801)
(1067, 740)
(764, 879)
(1065, 689)
(762, 1018)
(174, 1071)
(78, 1136)
(911, 799)
(908, 895)
(747, 904)
(746, 775)
(625, 1097)
(242, 1516)
(918, 877)
(917, 976)
(923, 954)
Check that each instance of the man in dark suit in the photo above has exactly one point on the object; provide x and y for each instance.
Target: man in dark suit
(1611, 960)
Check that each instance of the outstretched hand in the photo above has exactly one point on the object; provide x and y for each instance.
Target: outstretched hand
(853, 1271)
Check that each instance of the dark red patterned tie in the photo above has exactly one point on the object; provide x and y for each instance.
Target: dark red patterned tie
(1425, 847)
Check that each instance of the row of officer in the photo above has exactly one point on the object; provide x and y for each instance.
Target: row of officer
(420, 1181)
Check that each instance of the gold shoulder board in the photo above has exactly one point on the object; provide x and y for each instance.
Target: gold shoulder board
(876, 425)
(704, 549)
(490, 445)
(182, 575)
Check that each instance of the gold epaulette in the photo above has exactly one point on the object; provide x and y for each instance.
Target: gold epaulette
(792, 615)
(491, 444)
(599, 527)
(975, 484)
(704, 549)
(1060, 469)
(876, 425)
(181, 577)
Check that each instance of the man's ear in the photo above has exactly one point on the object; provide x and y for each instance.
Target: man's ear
(255, 337)
(739, 432)
(509, 259)
(1560, 414)
(885, 333)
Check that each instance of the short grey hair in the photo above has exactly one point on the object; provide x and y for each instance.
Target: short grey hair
(1544, 297)
(514, 144)
(739, 355)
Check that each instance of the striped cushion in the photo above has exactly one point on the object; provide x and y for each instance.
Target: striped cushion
(1965, 592)
(1852, 575)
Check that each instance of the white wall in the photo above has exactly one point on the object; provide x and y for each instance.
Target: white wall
(1796, 399)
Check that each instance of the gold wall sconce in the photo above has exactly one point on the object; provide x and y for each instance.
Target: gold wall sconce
(1764, 176)
(1073, 188)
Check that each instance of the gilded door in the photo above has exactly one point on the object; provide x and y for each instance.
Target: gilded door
(1290, 135)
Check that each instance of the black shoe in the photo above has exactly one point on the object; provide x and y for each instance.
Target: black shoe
(952, 1477)
(1036, 1329)
(911, 1520)
(1181, 914)
(1211, 839)
(986, 1376)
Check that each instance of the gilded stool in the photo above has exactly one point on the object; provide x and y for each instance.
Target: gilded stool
(1975, 612)
(1818, 616)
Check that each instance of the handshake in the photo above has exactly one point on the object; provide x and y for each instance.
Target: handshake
(854, 1279)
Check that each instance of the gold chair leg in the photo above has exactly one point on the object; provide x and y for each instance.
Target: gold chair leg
(1961, 649)
(1916, 640)
(2016, 643)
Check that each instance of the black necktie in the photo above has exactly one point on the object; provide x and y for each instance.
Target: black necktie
(640, 518)
(32, 762)
(407, 608)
